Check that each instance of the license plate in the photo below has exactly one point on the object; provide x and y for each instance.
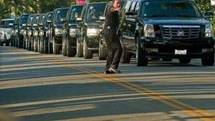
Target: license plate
(180, 52)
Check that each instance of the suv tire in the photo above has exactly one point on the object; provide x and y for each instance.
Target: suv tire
(141, 58)
(79, 49)
(86, 52)
(70, 50)
(56, 48)
(64, 46)
(208, 60)
(102, 51)
(126, 56)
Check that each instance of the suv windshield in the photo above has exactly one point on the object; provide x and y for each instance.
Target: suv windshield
(23, 19)
(7, 23)
(75, 13)
(29, 21)
(169, 9)
(35, 19)
(95, 11)
(60, 13)
(48, 17)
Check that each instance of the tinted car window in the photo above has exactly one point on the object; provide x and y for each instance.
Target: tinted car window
(94, 11)
(7, 23)
(23, 19)
(127, 6)
(30, 19)
(35, 20)
(60, 13)
(169, 9)
(75, 12)
(49, 17)
(41, 19)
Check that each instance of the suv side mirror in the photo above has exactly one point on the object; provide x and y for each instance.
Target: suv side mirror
(49, 21)
(63, 20)
(24, 25)
(131, 13)
(102, 18)
(11, 24)
(40, 24)
(209, 14)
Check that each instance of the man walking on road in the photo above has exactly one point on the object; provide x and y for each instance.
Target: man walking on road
(111, 34)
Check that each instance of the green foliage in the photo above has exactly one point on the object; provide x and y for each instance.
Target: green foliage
(204, 5)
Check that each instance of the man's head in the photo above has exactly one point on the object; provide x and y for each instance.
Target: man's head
(116, 4)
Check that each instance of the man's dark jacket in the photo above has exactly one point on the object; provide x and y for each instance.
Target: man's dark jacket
(111, 23)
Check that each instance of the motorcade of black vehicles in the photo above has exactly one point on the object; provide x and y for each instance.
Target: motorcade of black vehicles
(59, 17)
(6, 27)
(41, 30)
(71, 31)
(167, 30)
(90, 28)
(20, 31)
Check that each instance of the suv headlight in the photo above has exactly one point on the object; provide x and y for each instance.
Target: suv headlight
(208, 30)
(29, 33)
(35, 33)
(72, 32)
(24, 25)
(25, 32)
(92, 32)
(58, 31)
(149, 30)
(21, 31)
(41, 33)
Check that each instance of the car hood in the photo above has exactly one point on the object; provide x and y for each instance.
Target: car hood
(6, 30)
(58, 25)
(97, 24)
(175, 21)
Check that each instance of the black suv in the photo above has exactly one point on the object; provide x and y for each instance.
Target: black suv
(14, 32)
(71, 31)
(59, 17)
(91, 26)
(41, 25)
(28, 33)
(32, 32)
(166, 29)
(48, 32)
(6, 27)
(20, 31)
(35, 27)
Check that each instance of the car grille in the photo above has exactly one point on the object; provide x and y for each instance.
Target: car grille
(180, 32)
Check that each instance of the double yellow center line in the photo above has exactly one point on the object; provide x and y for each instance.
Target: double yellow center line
(186, 109)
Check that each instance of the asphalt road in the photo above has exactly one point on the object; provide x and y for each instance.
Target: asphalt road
(40, 87)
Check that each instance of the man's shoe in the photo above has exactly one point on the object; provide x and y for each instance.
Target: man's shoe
(108, 72)
(115, 71)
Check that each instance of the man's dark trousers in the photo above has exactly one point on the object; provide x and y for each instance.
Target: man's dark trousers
(114, 49)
